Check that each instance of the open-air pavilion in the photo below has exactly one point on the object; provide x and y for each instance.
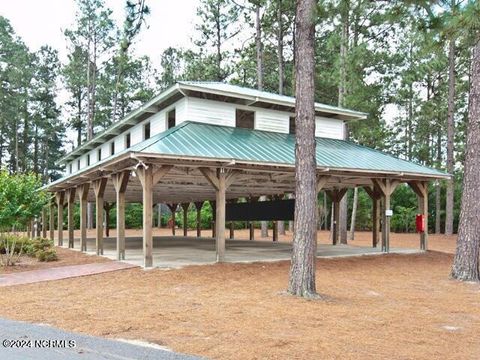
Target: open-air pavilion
(194, 162)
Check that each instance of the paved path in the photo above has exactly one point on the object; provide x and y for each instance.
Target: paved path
(63, 272)
(74, 346)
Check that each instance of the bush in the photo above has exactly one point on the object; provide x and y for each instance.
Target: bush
(19, 244)
(42, 249)
(39, 244)
(47, 255)
(11, 247)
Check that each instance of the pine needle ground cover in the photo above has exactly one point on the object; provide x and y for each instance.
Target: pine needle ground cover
(376, 307)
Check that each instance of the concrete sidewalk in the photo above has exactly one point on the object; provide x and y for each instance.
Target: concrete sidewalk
(63, 272)
(25, 341)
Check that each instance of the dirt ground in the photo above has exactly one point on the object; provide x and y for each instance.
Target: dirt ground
(65, 257)
(375, 307)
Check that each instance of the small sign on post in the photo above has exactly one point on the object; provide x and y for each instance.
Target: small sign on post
(388, 212)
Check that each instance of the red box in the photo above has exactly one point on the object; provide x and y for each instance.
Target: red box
(420, 223)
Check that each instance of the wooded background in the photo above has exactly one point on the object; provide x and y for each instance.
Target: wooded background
(403, 62)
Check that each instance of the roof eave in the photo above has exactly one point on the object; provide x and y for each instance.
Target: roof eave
(140, 110)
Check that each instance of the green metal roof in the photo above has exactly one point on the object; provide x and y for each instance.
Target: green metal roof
(191, 139)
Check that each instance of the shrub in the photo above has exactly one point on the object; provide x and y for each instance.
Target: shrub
(19, 244)
(42, 249)
(39, 244)
(11, 247)
(47, 255)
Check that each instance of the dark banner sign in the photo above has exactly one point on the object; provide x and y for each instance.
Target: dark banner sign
(261, 211)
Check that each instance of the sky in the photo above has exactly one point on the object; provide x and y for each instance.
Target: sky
(40, 22)
(170, 23)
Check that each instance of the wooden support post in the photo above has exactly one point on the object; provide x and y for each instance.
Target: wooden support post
(44, 222)
(173, 209)
(386, 188)
(120, 181)
(185, 207)
(60, 198)
(231, 230)
(99, 189)
(145, 174)
(82, 191)
(198, 206)
(421, 189)
(51, 226)
(70, 193)
(275, 231)
(220, 181)
(149, 176)
(376, 195)
(336, 195)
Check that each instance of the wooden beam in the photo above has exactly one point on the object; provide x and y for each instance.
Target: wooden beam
(99, 189)
(60, 198)
(159, 173)
(231, 176)
(322, 180)
(211, 177)
(82, 191)
(120, 181)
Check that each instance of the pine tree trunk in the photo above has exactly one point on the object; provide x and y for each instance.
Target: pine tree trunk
(219, 45)
(438, 188)
(290, 223)
(465, 264)
(259, 48)
(281, 64)
(450, 137)
(302, 270)
(342, 89)
(354, 214)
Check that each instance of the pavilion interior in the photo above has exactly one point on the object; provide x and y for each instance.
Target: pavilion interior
(183, 180)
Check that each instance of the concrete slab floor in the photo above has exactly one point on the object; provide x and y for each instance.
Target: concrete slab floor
(179, 251)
